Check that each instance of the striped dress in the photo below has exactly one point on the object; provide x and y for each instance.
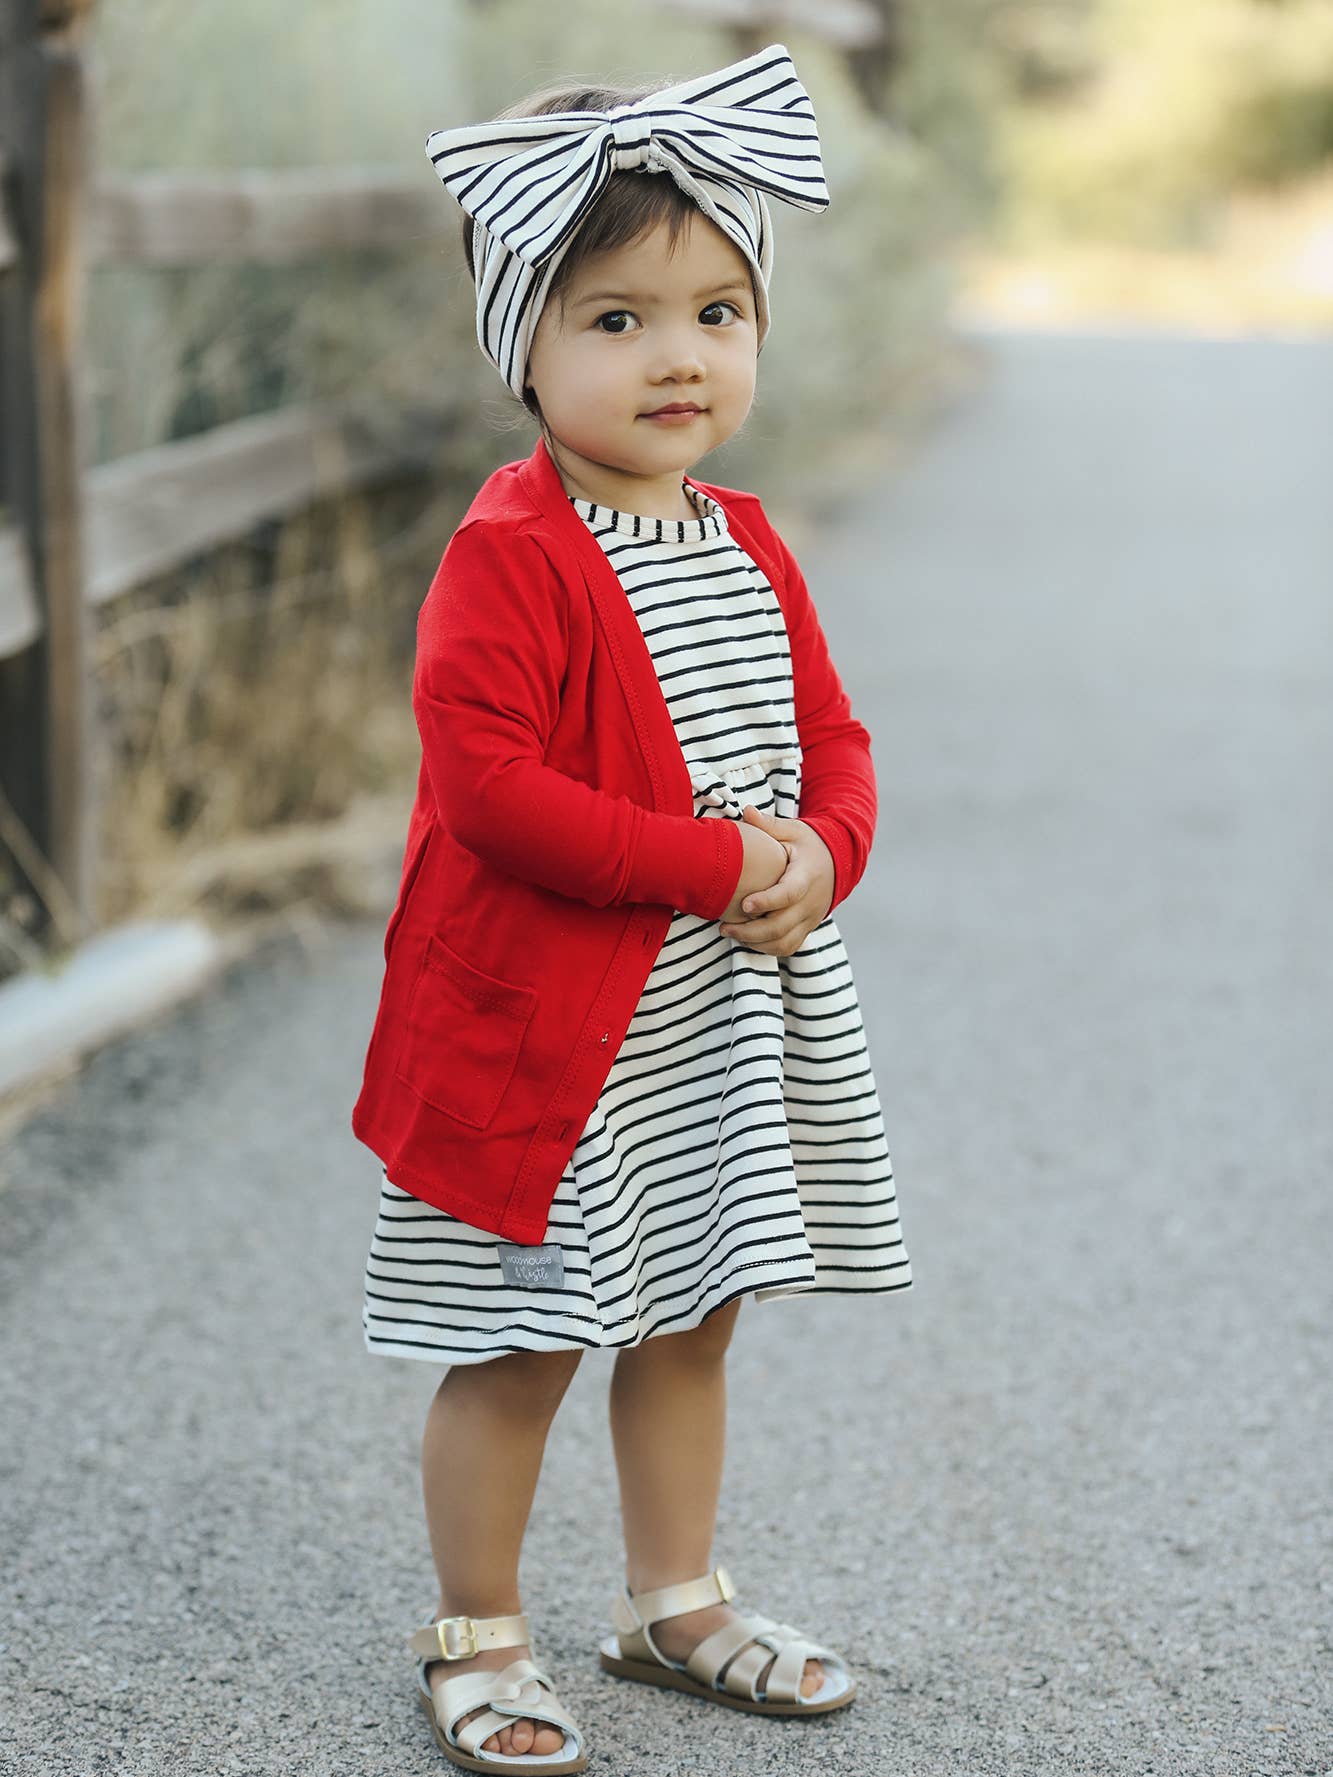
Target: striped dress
(737, 1145)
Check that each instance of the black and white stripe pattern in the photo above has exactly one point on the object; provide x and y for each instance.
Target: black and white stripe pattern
(738, 1144)
(726, 138)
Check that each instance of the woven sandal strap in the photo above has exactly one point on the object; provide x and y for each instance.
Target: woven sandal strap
(458, 1638)
(783, 1683)
(707, 1658)
(519, 1689)
(765, 1639)
(635, 1610)
(470, 1737)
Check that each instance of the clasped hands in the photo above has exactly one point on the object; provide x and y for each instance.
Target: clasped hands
(778, 918)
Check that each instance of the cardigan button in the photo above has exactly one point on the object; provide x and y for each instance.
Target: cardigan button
(604, 1036)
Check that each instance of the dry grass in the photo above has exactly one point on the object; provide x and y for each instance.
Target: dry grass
(253, 710)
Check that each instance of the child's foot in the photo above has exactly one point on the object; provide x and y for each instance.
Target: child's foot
(522, 1735)
(677, 1636)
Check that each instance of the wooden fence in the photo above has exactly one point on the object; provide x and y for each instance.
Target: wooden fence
(72, 538)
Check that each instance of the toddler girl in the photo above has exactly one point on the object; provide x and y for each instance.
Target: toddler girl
(618, 1077)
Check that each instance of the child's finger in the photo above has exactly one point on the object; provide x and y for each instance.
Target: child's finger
(763, 928)
(782, 893)
(768, 936)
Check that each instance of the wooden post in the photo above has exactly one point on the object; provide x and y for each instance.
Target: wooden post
(44, 764)
(876, 64)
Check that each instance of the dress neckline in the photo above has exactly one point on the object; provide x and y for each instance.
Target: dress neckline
(712, 521)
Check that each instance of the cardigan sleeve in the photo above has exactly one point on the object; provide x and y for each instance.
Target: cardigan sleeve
(492, 646)
(839, 797)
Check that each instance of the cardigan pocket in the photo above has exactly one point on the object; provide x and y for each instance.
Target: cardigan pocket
(463, 1032)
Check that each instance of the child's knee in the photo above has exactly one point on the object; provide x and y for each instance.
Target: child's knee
(711, 1337)
(529, 1380)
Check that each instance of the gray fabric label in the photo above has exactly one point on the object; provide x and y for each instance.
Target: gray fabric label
(532, 1267)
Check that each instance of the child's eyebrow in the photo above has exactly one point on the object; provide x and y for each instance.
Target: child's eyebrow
(629, 295)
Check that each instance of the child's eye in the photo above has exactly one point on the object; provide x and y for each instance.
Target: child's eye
(615, 314)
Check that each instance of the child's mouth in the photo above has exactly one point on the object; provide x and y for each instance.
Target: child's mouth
(674, 416)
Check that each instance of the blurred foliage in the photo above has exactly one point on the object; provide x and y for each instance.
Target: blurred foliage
(860, 293)
(171, 352)
(1133, 120)
(1031, 119)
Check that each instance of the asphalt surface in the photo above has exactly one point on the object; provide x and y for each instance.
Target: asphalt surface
(1065, 1505)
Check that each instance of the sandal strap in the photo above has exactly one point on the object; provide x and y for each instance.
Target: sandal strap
(519, 1689)
(783, 1683)
(744, 1647)
(458, 1638)
(734, 1642)
(632, 1611)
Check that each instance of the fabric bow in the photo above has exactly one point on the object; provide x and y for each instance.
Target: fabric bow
(529, 180)
(726, 138)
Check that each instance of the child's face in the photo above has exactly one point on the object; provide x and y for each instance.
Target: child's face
(639, 331)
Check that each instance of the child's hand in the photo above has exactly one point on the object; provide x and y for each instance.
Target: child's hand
(763, 861)
(787, 913)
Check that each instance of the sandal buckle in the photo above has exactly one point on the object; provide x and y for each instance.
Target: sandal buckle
(467, 1635)
(724, 1585)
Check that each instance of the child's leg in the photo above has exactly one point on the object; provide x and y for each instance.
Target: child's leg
(668, 1426)
(481, 1455)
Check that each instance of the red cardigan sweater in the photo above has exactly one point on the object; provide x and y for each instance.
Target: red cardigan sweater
(552, 835)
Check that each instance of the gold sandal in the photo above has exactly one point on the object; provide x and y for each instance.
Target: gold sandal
(521, 1688)
(632, 1653)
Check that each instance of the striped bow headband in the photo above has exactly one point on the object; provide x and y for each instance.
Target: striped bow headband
(726, 138)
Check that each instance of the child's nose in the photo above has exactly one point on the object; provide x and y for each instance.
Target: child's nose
(679, 351)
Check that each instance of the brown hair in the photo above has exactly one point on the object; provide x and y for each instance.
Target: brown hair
(629, 207)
